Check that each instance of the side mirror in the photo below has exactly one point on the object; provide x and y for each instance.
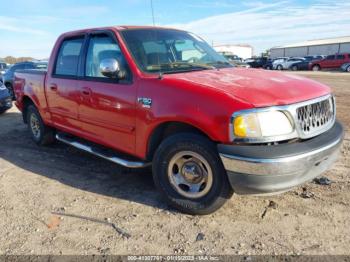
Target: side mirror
(110, 67)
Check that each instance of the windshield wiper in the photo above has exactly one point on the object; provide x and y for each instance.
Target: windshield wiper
(182, 65)
(220, 63)
(205, 66)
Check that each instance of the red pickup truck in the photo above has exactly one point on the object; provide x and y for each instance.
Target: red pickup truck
(330, 62)
(141, 96)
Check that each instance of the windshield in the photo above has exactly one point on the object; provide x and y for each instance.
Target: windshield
(171, 51)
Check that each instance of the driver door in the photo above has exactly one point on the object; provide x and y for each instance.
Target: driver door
(107, 105)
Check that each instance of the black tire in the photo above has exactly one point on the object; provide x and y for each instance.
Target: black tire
(316, 68)
(268, 68)
(41, 134)
(294, 68)
(10, 89)
(220, 190)
(348, 69)
(2, 111)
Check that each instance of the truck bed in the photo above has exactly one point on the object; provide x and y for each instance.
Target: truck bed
(30, 81)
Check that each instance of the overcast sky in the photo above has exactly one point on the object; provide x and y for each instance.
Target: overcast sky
(34, 25)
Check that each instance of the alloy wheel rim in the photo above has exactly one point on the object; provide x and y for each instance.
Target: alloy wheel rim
(35, 125)
(190, 174)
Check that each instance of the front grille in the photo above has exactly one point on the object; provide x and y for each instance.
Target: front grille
(316, 117)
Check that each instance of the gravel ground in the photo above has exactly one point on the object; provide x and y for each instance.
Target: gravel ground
(58, 200)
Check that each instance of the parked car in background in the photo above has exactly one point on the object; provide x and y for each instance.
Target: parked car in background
(314, 57)
(278, 61)
(234, 59)
(304, 65)
(257, 62)
(3, 68)
(285, 64)
(230, 56)
(330, 62)
(269, 64)
(8, 76)
(5, 99)
(345, 67)
(141, 96)
(239, 64)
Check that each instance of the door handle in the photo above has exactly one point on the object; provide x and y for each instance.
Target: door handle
(53, 87)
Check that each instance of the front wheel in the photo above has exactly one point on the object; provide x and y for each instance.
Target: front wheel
(294, 68)
(279, 67)
(348, 69)
(187, 170)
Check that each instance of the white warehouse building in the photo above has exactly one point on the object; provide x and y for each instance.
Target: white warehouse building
(327, 46)
(242, 50)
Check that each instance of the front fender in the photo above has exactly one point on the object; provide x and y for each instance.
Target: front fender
(208, 110)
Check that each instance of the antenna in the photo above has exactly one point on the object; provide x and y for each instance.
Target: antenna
(155, 31)
(154, 23)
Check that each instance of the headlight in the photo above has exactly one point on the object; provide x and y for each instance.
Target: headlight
(261, 126)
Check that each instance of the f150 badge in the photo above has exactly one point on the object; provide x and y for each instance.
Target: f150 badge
(145, 102)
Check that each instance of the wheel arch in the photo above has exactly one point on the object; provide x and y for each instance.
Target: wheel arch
(166, 129)
(26, 101)
(8, 83)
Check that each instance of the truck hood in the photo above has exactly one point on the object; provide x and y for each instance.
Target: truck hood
(261, 88)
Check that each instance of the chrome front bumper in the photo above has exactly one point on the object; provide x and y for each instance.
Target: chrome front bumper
(256, 169)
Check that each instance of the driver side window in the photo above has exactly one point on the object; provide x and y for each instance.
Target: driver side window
(101, 47)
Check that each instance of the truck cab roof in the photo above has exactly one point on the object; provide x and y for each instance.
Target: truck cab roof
(117, 28)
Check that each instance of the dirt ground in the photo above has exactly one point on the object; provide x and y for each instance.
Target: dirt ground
(58, 200)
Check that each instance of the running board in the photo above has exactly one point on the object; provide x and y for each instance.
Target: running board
(97, 151)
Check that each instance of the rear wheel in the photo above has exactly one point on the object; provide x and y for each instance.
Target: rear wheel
(279, 67)
(316, 68)
(187, 170)
(41, 134)
(294, 68)
(348, 69)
